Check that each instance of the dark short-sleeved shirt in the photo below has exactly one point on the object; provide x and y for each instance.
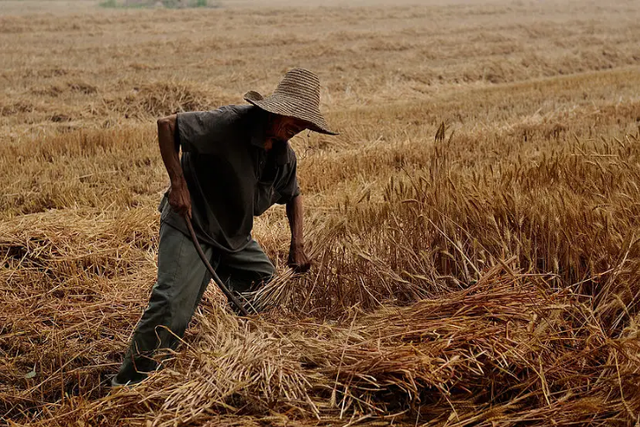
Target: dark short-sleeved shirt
(230, 176)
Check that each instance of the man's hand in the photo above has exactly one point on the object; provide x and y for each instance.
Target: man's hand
(298, 259)
(179, 197)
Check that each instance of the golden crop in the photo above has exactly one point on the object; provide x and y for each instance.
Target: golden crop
(474, 227)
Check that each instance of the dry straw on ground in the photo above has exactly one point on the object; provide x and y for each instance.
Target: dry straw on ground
(474, 227)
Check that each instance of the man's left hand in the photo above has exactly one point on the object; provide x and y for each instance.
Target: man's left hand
(298, 259)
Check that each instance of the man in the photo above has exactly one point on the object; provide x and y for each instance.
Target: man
(236, 162)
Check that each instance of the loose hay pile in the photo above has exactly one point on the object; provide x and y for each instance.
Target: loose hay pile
(507, 350)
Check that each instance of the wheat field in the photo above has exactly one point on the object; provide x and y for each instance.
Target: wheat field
(474, 227)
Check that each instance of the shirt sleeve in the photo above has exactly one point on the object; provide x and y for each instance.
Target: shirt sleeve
(287, 187)
(202, 131)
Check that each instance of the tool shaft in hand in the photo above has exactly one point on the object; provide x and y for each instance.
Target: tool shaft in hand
(216, 278)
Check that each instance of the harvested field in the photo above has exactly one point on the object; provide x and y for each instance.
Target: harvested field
(475, 227)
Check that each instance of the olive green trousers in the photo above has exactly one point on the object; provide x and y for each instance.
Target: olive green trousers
(182, 279)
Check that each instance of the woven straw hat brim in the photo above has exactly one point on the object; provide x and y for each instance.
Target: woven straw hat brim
(286, 105)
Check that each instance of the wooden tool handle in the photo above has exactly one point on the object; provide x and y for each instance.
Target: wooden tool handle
(216, 279)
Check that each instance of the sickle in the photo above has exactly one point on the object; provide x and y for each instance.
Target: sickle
(216, 279)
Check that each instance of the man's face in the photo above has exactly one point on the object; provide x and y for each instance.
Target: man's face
(283, 128)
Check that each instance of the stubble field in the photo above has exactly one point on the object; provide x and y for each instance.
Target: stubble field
(475, 227)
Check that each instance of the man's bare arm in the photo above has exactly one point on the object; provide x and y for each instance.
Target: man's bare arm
(179, 197)
(298, 259)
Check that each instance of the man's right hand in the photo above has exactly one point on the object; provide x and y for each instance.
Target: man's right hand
(179, 197)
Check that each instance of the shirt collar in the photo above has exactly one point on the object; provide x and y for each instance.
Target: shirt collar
(259, 124)
(282, 154)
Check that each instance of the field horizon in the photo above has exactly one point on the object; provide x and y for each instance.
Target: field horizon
(474, 227)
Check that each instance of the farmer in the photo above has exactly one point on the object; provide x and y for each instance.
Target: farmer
(236, 163)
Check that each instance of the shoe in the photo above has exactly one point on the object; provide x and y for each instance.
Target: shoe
(115, 383)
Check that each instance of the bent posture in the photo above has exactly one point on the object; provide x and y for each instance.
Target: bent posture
(236, 163)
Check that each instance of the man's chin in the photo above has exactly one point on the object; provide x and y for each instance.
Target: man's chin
(276, 139)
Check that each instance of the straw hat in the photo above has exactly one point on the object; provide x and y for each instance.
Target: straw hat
(297, 95)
